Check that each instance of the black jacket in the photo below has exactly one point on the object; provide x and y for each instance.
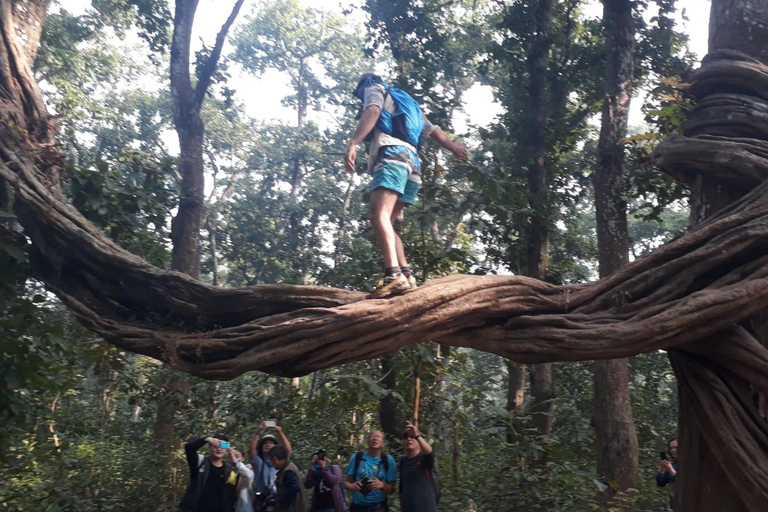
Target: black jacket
(198, 476)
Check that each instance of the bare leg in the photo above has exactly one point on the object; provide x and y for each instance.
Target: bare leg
(402, 261)
(383, 204)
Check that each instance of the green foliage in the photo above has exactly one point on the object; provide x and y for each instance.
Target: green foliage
(77, 415)
(131, 202)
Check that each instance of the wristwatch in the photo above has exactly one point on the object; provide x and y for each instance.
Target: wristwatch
(418, 436)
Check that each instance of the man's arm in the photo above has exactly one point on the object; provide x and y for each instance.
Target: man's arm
(255, 440)
(411, 429)
(292, 486)
(456, 148)
(190, 450)
(284, 439)
(331, 473)
(351, 485)
(364, 127)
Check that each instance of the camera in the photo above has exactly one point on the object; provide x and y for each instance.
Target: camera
(224, 445)
(663, 455)
(320, 454)
(264, 502)
(365, 490)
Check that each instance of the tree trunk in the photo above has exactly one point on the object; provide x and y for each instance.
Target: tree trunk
(456, 453)
(316, 386)
(389, 413)
(185, 227)
(515, 393)
(723, 437)
(534, 155)
(21, 25)
(416, 392)
(617, 447)
(441, 422)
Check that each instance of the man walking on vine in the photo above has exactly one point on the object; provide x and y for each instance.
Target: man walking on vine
(395, 126)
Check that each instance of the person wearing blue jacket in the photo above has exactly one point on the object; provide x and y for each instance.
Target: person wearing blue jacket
(396, 176)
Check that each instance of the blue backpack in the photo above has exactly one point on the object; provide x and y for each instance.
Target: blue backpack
(407, 122)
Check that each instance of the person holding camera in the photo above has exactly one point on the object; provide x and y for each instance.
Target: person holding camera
(265, 474)
(244, 487)
(212, 482)
(419, 488)
(371, 476)
(326, 480)
(668, 470)
(289, 497)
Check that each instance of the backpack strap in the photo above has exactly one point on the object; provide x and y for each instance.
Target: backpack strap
(358, 460)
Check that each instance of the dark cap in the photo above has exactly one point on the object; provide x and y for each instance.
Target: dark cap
(220, 437)
(365, 81)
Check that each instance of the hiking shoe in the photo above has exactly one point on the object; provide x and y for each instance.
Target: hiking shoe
(390, 285)
(412, 282)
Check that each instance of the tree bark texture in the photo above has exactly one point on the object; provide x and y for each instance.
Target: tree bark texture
(535, 157)
(617, 446)
(515, 392)
(723, 436)
(185, 227)
(21, 103)
(389, 414)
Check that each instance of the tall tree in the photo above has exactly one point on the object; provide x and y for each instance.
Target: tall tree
(617, 449)
(542, 69)
(186, 225)
(719, 463)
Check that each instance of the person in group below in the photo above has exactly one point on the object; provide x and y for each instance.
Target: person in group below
(419, 489)
(327, 481)
(371, 476)
(265, 474)
(668, 471)
(211, 481)
(244, 487)
(289, 497)
(396, 170)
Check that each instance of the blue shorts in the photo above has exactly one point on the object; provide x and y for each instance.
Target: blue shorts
(398, 169)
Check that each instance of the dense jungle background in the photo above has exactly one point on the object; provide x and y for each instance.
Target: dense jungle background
(87, 427)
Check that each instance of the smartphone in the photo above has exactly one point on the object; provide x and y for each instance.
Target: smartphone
(224, 445)
(663, 455)
(270, 423)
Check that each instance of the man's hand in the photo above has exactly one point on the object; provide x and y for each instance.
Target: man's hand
(354, 486)
(216, 443)
(278, 429)
(261, 427)
(375, 483)
(458, 149)
(324, 462)
(411, 430)
(349, 157)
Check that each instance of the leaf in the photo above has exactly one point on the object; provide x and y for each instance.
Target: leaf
(600, 485)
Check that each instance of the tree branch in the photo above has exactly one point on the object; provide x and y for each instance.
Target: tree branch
(204, 80)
